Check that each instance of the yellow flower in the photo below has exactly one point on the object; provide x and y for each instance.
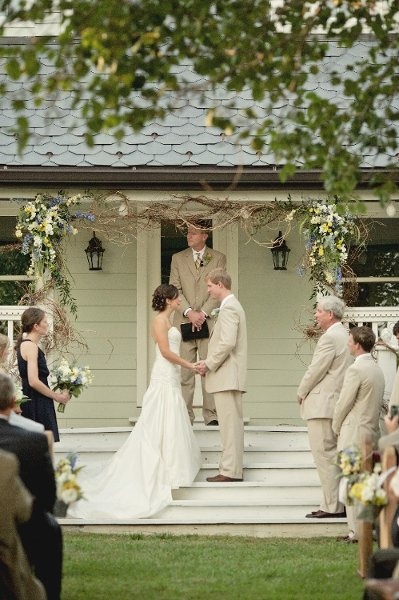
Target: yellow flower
(321, 251)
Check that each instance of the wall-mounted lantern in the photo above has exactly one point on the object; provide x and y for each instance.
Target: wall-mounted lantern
(94, 253)
(280, 252)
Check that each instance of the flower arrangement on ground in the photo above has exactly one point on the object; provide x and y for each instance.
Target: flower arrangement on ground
(42, 225)
(72, 378)
(328, 235)
(66, 472)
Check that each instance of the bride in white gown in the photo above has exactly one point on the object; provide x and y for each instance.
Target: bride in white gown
(161, 453)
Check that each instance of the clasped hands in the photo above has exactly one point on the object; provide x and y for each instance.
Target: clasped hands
(200, 368)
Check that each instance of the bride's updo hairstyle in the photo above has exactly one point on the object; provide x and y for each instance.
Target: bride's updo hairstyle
(162, 293)
(29, 318)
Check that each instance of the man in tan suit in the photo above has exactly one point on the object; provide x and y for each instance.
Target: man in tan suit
(317, 395)
(225, 370)
(357, 412)
(188, 272)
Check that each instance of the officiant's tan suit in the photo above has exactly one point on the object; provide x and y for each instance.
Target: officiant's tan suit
(192, 286)
(226, 379)
(318, 393)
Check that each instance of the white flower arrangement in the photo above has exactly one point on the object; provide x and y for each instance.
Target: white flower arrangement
(41, 227)
(68, 489)
(72, 378)
(349, 461)
(361, 487)
(215, 313)
(328, 234)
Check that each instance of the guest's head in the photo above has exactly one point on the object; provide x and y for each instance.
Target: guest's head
(7, 394)
(33, 320)
(162, 294)
(330, 310)
(197, 234)
(361, 340)
(4, 348)
(395, 330)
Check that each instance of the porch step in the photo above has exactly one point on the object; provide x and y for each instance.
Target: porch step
(280, 484)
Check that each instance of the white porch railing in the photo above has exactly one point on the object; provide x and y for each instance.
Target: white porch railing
(381, 319)
(11, 315)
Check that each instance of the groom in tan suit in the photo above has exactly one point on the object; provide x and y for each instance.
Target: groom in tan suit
(317, 395)
(225, 370)
(188, 272)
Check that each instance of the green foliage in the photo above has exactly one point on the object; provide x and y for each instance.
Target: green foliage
(218, 568)
(12, 262)
(117, 59)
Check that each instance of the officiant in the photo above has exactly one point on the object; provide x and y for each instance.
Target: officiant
(189, 271)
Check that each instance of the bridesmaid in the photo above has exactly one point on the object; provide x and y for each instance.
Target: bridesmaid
(34, 372)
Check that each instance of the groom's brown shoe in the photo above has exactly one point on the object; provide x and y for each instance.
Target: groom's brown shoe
(221, 478)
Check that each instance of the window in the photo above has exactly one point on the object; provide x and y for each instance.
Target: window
(377, 268)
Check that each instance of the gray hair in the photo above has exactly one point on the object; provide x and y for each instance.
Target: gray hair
(333, 304)
(7, 392)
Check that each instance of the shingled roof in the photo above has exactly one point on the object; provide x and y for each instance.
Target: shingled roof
(179, 150)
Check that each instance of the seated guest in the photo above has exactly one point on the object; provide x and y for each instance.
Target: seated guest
(41, 535)
(357, 411)
(16, 577)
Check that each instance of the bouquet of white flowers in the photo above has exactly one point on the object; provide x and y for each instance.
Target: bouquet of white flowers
(72, 378)
(68, 489)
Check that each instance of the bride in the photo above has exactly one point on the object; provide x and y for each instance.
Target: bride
(161, 453)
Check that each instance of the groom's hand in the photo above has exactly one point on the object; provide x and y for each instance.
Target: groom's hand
(201, 367)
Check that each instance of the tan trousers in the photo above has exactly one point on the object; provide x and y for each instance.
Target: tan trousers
(231, 424)
(192, 351)
(323, 443)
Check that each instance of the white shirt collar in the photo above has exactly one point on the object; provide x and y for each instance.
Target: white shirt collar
(199, 253)
(366, 355)
(225, 299)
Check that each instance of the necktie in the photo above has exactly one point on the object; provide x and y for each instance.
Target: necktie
(198, 261)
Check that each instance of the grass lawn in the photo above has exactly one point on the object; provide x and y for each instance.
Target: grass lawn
(165, 567)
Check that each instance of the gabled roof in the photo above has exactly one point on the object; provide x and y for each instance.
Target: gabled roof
(179, 150)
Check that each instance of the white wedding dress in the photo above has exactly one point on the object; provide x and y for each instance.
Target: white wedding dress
(160, 454)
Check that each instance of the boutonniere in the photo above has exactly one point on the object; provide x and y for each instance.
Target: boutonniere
(206, 259)
(215, 313)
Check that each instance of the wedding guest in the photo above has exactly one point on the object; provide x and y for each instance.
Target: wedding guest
(317, 395)
(4, 348)
(188, 272)
(225, 370)
(357, 411)
(41, 535)
(34, 372)
(17, 581)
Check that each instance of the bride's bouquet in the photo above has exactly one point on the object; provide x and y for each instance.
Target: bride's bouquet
(72, 378)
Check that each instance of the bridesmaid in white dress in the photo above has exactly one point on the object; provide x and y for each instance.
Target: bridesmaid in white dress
(161, 453)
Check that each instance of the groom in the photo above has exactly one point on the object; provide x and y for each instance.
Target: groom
(225, 370)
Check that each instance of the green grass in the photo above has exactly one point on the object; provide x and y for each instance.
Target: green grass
(164, 567)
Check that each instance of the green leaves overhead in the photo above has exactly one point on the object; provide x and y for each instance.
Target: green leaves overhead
(120, 62)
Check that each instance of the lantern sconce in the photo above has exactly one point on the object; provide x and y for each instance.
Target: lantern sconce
(94, 253)
(280, 252)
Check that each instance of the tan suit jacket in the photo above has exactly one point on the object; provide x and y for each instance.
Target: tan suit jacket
(394, 399)
(191, 283)
(357, 411)
(227, 350)
(16, 577)
(322, 382)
